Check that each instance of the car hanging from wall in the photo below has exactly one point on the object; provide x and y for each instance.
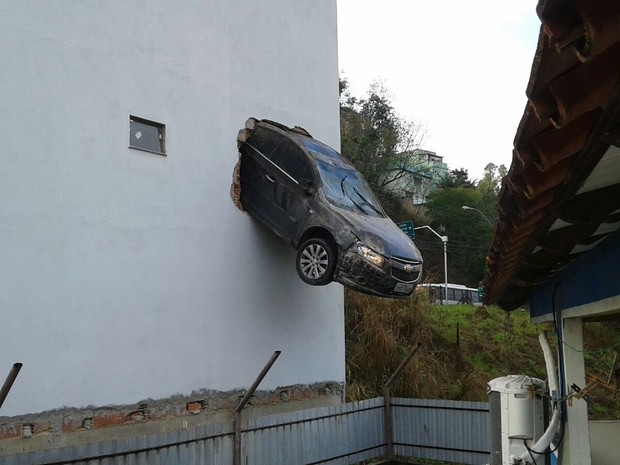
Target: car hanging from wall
(311, 196)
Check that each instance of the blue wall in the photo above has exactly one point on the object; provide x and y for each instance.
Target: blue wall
(592, 277)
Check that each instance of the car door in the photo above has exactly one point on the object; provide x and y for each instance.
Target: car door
(258, 176)
(292, 199)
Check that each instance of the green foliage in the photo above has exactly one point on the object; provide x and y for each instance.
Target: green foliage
(376, 139)
(469, 230)
(469, 233)
(491, 181)
(601, 347)
(463, 348)
(457, 178)
(380, 332)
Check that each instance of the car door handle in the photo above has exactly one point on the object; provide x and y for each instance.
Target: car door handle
(269, 178)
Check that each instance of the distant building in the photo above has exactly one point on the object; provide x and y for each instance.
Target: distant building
(417, 179)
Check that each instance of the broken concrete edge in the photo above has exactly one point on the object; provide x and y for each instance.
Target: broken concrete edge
(157, 415)
(235, 187)
(242, 137)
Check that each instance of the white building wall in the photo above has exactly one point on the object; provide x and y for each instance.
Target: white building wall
(126, 275)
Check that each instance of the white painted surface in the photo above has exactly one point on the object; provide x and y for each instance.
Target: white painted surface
(603, 440)
(575, 447)
(126, 275)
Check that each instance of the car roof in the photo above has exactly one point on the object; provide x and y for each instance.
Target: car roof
(313, 147)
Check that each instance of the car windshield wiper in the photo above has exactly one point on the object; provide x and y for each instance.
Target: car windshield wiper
(349, 197)
(367, 202)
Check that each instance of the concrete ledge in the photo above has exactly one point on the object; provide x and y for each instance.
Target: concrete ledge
(76, 426)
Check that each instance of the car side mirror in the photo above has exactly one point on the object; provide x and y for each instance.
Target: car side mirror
(307, 186)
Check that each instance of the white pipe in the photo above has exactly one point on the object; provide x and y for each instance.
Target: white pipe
(545, 440)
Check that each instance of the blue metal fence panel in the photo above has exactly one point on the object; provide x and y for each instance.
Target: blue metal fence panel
(205, 444)
(442, 430)
(338, 435)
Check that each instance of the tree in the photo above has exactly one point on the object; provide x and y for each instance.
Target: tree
(469, 232)
(491, 181)
(378, 141)
(457, 178)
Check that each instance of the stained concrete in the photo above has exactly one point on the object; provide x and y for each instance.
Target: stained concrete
(71, 426)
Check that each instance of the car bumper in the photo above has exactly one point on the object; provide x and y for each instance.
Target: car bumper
(355, 272)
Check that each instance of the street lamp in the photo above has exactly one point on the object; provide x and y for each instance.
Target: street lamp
(465, 207)
(444, 239)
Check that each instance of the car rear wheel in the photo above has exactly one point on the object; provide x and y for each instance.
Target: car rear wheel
(316, 261)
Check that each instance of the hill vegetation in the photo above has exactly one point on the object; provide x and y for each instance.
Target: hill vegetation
(462, 348)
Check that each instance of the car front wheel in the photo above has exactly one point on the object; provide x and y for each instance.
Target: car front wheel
(316, 261)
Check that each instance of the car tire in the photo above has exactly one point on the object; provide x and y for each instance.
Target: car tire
(316, 261)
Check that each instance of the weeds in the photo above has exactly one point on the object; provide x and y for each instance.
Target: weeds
(463, 348)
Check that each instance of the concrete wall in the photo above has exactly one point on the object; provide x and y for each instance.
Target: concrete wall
(124, 274)
(603, 439)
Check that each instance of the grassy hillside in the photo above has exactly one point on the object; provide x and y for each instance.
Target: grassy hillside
(463, 347)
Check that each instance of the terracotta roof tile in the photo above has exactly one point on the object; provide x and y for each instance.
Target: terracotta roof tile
(546, 217)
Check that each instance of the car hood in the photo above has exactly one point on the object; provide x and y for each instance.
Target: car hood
(383, 236)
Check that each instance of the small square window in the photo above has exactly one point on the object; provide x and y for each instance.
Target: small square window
(147, 135)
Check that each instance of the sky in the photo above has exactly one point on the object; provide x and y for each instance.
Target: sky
(459, 67)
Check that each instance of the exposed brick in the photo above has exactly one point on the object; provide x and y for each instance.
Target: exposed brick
(70, 421)
(110, 419)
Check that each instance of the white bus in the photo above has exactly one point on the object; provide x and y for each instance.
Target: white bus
(457, 294)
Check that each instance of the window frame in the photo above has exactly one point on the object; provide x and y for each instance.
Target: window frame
(161, 133)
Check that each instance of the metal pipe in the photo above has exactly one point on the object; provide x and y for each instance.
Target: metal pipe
(258, 380)
(537, 451)
(445, 264)
(387, 402)
(388, 423)
(402, 365)
(246, 398)
(237, 438)
(8, 383)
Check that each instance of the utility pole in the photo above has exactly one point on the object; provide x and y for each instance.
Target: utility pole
(444, 239)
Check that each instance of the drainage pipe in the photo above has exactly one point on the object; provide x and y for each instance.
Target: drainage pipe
(10, 379)
(246, 398)
(539, 448)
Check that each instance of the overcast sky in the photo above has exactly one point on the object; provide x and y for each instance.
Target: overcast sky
(461, 67)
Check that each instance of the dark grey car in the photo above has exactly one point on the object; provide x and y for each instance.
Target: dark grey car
(310, 195)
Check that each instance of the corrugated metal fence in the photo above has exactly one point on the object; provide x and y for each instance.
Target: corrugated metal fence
(339, 435)
(456, 432)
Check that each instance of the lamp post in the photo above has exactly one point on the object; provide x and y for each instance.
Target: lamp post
(444, 239)
(465, 207)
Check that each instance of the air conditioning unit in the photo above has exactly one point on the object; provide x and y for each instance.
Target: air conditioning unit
(517, 416)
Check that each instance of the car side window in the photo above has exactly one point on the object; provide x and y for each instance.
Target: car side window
(265, 142)
(293, 161)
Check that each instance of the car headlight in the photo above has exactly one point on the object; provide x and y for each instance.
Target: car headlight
(370, 255)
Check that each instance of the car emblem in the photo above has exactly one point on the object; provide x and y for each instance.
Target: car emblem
(408, 268)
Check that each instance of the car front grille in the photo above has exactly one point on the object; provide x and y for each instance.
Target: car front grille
(399, 266)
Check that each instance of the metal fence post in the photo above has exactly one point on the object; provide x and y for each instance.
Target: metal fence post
(8, 383)
(387, 400)
(246, 398)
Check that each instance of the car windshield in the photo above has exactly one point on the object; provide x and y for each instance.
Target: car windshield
(345, 188)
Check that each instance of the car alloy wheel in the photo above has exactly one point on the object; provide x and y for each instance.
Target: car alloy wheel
(316, 261)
